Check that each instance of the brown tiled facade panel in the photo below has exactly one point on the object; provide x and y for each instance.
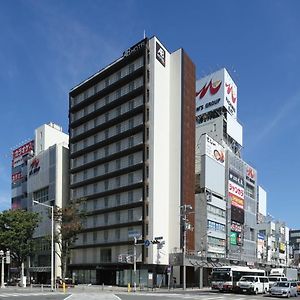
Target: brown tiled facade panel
(188, 140)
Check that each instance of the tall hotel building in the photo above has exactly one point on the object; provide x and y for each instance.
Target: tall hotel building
(132, 143)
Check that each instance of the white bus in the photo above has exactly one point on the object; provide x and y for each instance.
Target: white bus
(225, 278)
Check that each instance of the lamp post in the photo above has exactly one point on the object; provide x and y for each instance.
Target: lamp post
(52, 241)
(2, 268)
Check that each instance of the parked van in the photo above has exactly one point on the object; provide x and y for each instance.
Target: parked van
(253, 284)
(273, 279)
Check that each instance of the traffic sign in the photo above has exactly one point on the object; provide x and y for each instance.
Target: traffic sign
(147, 243)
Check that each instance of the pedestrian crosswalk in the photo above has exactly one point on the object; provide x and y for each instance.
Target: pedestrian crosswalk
(9, 295)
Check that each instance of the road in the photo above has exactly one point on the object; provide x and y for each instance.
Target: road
(122, 295)
(191, 296)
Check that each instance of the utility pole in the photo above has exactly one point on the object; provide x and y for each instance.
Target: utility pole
(186, 209)
(134, 265)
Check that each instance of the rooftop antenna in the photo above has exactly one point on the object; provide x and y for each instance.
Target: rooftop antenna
(144, 33)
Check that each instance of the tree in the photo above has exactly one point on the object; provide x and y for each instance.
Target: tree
(69, 222)
(16, 231)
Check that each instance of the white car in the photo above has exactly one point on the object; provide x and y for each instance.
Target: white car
(253, 284)
(284, 289)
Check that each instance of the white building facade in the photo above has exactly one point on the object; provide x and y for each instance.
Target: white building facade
(132, 153)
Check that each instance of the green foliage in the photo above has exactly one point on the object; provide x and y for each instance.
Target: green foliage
(16, 231)
(69, 223)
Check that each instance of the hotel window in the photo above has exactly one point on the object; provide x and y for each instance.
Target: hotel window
(95, 171)
(106, 82)
(130, 178)
(84, 238)
(105, 235)
(131, 86)
(131, 68)
(118, 181)
(85, 190)
(130, 196)
(130, 105)
(95, 155)
(95, 204)
(130, 215)
(95, 188)
(118, 163)
(95, 236)
(106, 168)
(106, 116)
(130, 141)
(118, 216)
(117, 234)
(118, 75)
(106, 133)
(105, 202)
(118, 128)
(95, 219)
(85, 143)
(118, 200)
(105, 218)
(130, 160)
(106, 99)
(147, 115)
(106, 150)
(84, 174)
(106, 185)
(118, 146)
(118, 93)
(118, 111)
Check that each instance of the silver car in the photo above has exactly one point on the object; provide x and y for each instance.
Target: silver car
(284, 289)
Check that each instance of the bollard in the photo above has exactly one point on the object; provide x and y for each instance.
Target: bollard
(128, 288)
(42, 286)
(64, 287)
(102, 286)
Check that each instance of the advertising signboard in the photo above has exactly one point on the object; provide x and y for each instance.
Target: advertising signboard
(213, 149)
(250, 174)
(20, 152)
(237, 214)
(16, 177)
(214, 91)
(235, 190)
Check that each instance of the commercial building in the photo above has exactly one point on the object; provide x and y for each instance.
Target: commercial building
(226, 186)
(275, 252)
(132, 158)
(44, 177)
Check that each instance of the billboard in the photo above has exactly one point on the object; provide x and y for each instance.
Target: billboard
(214, 91)
(213, 149)
(20, 152)
(250, 174)
(237, 214)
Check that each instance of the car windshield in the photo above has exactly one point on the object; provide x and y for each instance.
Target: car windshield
(282, 284)
(272, 279)
(247, 278)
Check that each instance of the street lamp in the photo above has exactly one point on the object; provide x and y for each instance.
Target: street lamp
(52, 241)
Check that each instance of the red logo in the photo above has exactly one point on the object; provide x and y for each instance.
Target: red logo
(250, 173)
(34, 163)
(230, 91)
(212, 86)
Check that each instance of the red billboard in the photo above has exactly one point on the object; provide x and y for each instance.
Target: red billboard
(20, 152)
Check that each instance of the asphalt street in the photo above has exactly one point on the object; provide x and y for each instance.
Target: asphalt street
(86, 294)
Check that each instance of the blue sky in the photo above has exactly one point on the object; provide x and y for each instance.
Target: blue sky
(47, 47)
